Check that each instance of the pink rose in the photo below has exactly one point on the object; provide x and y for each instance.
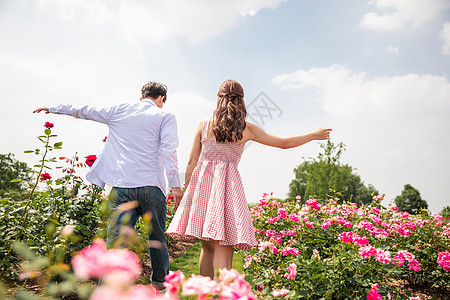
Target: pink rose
(276, 293)
(282, 213)
(383, 256)
(367, 251)
(373, 294)
(414, 265)
(199, 285)
(173, 282)
(346, 237)
(292, 271)
(326, 223)
(115, 266)
(444, 260)
(360, 241)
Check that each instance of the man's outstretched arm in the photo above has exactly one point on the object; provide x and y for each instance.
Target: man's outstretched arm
(87, 112)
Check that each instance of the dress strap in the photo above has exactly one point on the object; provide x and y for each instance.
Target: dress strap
(205, 129)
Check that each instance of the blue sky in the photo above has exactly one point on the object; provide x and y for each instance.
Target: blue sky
(374, 71)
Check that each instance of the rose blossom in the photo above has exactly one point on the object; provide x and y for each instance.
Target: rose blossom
(248, 261)
(290, 250)
(414, 265)
(173, 282)
(292, 271)
(444, 260)
(346, 237)
(437, 217)
(48, 125)
(199, 285)
(373, 294)
(282, 213)
(326, 223)
(45, 176)
(360, 241)
(95, 261)
(90, 159)
(281, 292)
(233, 285)
(383, 256)
(367, 251)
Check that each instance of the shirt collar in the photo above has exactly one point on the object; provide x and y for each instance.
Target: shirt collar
(149, 101)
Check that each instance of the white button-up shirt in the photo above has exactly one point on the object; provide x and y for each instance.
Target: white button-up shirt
(141, 143)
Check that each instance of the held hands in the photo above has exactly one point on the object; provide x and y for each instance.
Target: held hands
(42, 108)
(177, 195)
(322, 133)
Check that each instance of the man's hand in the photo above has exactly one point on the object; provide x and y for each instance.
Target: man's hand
(177, 195)
(42, 108)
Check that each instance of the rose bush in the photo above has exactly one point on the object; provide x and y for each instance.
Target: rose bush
(343, 251)
(51, 203)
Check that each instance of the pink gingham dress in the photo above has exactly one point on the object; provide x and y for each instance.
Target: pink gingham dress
(214, 206)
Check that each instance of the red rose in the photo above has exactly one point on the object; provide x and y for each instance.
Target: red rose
(104, 139)
(90, 159)
(48, 125)
(45, 176)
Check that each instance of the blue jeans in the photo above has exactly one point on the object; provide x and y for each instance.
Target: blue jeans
(149, 199)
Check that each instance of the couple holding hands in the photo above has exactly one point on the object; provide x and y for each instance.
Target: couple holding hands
(141, 147)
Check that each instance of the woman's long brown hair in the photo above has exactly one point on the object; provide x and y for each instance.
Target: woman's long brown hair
(229, 116)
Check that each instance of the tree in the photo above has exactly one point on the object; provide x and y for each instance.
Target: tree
(326, 177)
(11, 169)
(410, 200)
(446, 212)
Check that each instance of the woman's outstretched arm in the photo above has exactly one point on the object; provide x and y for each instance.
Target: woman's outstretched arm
(260, 136)
(195, 154)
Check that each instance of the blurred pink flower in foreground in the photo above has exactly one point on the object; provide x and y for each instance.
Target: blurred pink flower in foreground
(115, 266)
(233, 286)
(199, 285)
(173, 282)
(136, 292)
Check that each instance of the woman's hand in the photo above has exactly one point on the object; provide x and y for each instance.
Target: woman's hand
(322, 133)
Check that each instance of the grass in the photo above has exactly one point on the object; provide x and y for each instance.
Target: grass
(188, 263)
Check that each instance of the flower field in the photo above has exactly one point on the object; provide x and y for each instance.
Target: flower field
(307, 249)
(341, 251)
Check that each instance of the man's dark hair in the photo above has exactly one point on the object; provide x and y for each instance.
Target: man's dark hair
(153, 90)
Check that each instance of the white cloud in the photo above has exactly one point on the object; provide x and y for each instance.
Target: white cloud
(392, 49)
(393, 126)
(445, 36)
(142, 21)
(396, 14)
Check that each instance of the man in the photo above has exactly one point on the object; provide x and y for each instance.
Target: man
(141, 143)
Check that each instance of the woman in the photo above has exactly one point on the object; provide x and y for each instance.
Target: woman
(213, 208)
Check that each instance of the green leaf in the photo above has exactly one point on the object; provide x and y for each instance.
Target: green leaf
(54, 221)
(28, 151)
(15, 180)
(47, 131)
(57, 145)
